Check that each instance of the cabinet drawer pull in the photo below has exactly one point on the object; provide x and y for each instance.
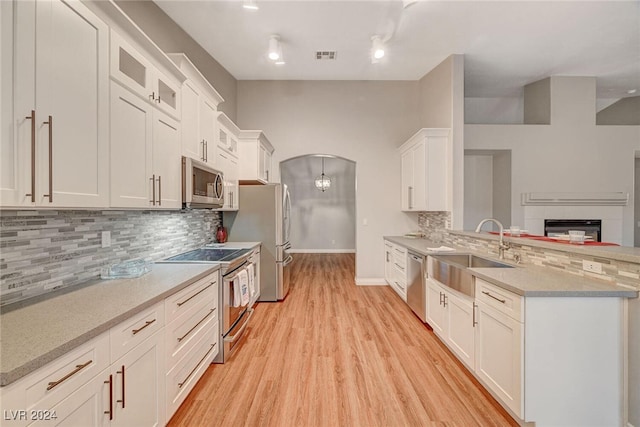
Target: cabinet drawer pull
(194, 369)
(196, 325)
(495, 298)
(69, 375)
(159, 190)
(110, 411)
(32, 117)
(147, 323)
(194, 295)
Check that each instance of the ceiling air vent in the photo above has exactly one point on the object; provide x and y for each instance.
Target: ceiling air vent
(325, 55)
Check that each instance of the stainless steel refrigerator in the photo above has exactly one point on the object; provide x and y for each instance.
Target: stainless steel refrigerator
(264, 216)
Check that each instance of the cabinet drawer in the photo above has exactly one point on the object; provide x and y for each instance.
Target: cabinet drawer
(136, 329)
(181, 379)
(183, 334)
(54, 382)
(181, 302)
(400, 256)
(501, 299)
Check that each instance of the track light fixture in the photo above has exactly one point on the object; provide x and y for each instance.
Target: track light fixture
(275, 52)
(377, 49)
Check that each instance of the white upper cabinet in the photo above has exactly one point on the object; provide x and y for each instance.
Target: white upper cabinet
(199, 112)
(427, 171)
(227, 159)
(255, 152)
(55, 150)
(137, 73)
(145, 154)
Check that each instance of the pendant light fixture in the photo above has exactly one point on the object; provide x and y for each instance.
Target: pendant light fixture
(323, 182)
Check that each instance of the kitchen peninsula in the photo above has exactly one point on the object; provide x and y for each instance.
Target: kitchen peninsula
(531, 329)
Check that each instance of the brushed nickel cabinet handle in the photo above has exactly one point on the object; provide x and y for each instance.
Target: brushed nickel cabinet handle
(194, 369)
(194, 295)
(123, 386)
(78, 368)
(475, 306)
(32, 117)
(159, 191)
(147, 323)
(204, 151)
(410, 194)
(153, 189)
(50, 123)
(196, 325)
(495, 298)
(110, 411)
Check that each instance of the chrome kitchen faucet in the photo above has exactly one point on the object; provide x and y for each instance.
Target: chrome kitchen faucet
(502, 246)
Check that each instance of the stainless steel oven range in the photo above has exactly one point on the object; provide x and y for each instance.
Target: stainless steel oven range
(235, 315)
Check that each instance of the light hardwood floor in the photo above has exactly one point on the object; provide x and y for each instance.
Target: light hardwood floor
(337, 354)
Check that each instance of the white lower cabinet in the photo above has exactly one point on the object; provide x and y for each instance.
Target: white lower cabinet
(192, 338)
(135, 374)
(138, 385)
(499, 355)
(451, 315)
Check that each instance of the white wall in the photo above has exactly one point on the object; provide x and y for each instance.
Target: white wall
(361, 121)
(478, 189)
(571, 154)
(506, 110)
(321, 221)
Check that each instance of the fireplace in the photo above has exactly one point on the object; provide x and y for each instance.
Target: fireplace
(591, 227)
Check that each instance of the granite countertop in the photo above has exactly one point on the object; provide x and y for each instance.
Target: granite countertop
(527, 280)
(36, 334)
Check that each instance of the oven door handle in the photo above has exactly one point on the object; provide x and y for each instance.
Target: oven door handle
(232, 338)
(236, 273)
(287, 261)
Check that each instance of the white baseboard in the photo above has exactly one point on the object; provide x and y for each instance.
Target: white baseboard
(370, 281)
(322, 251)
(629, 425)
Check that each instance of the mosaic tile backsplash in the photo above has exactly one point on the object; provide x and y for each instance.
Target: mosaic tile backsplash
(614, 271)
(41, 251)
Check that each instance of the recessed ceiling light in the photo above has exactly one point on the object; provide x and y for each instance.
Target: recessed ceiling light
(632, 91)
(250, 5)
(274, 48)
(377, 49)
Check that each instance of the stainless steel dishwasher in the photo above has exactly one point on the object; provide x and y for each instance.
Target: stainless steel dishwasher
(416, 285)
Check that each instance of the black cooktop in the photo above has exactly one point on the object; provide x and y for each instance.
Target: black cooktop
(210, 255)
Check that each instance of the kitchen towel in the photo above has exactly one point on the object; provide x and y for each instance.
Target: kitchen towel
(252, 285)
(243, 279)
(237, 294)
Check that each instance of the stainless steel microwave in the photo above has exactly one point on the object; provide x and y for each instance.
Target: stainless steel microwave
(202, 186)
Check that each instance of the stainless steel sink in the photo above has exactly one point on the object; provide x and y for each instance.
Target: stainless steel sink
(472, 261)
(453, 270)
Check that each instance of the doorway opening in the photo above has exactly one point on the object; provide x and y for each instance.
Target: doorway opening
(487, 186)
(321, 221)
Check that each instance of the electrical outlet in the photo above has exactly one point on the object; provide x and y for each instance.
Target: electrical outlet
(333, 242)
(592, 266)
(365, 221)
(106, 239)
